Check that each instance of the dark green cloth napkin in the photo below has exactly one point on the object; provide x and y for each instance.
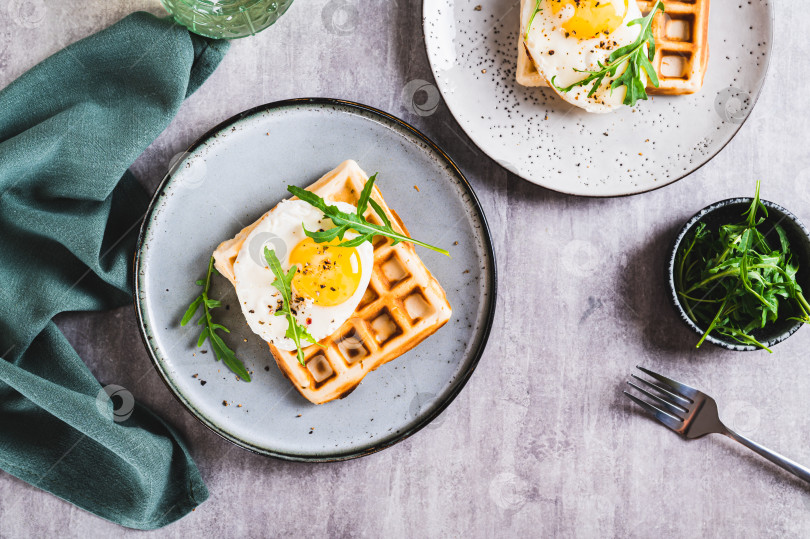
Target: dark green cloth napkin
(69, 216)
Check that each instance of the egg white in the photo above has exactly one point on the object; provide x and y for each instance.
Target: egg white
(556, 55)
(280, 229)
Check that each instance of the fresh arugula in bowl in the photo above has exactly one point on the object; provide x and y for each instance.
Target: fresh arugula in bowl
(732, 282)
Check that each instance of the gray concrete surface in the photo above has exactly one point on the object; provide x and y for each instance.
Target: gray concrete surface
(541, 441)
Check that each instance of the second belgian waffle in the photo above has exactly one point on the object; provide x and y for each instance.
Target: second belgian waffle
(681, 38)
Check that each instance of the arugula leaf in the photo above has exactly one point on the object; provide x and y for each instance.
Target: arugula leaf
(537, 9)
(632, 55)
(365, 195)
(283, 283)
(221, 350)
(733, 283)
(357, 222)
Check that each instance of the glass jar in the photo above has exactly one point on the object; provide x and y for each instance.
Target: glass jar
(226, 19)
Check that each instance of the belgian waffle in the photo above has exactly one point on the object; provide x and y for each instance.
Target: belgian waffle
(403, 305)
(681, 38)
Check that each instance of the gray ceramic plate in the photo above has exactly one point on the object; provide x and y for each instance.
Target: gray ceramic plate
(472, 48)
(228, 179)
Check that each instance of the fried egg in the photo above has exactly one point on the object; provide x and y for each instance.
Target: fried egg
(329, 283)
(570, 35)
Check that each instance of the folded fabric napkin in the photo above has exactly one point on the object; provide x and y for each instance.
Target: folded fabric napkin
(69, 216)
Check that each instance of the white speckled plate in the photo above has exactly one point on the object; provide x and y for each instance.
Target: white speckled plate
(539, 137)
(228, 179)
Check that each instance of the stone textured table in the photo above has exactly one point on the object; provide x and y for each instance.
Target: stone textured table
(541, 441)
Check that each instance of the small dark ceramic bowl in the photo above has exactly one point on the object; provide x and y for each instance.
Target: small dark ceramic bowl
(731, 211)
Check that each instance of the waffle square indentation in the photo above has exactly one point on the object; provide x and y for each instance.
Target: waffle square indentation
(394, 270)
(351, 347)
(417, 306)
(678, 28)
(319, 368)
(674, 64)
(384, 327)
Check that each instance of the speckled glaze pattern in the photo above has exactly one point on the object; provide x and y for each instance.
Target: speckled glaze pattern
(228, 179)
(730, 211)
(534, 134)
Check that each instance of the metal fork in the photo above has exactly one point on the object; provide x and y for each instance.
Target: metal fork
(692, 414)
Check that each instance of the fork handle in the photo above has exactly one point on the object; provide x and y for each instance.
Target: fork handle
(783, 462)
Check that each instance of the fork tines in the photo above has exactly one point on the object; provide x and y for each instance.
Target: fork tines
(671, 403)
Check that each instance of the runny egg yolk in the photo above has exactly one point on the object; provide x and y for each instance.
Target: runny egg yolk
(327, 274)
(591, 17)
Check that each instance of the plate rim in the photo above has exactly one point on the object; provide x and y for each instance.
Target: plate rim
(492, 274)
(722, 147)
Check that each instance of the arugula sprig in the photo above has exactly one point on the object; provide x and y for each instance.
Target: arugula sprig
(636, 59)
(209, 331)
(732, 282)
(537, 9)
(345, 221)
(283, 283)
